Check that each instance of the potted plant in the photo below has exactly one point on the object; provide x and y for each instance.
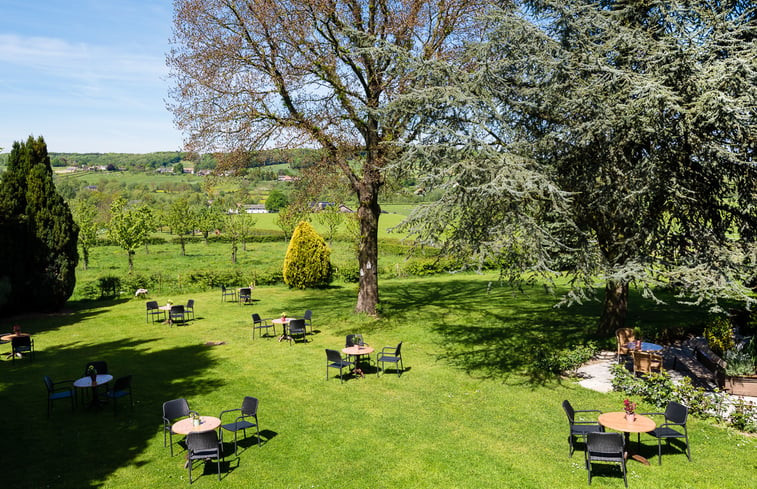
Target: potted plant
(92, 372)
(740, 372)
(630, 409)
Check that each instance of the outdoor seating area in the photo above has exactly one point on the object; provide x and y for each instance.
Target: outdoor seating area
(22, 344)
(212, 364)
(92, 390)
(201, 440)
(605, 436)
(170, 313)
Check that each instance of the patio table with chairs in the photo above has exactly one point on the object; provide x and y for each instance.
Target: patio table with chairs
(627, 424)
(86, 382)
(357, 351)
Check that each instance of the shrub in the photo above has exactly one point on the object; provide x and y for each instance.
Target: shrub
(89, 290)
(131, 282)
(109, 286)
(738, 361)
(349, 273)
(658, 388)
(307, 261)
(567, 360)
(719, 335)
(744, 416)
(267, 277)
(429, 266)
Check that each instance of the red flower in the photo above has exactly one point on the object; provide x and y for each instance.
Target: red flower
(629, 406)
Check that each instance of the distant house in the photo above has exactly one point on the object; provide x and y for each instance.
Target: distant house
(255, 209)
(286, 178)
(319, 206)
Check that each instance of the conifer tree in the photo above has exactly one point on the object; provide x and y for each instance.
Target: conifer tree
(38, 235)
(308, 259)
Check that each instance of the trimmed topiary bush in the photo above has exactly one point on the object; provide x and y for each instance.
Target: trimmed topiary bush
(308, 259)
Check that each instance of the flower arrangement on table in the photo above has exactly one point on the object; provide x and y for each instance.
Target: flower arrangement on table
(169, 303)
(630, 409)
(16, 329)
(283, 316)
(195, 419)
(92, 373)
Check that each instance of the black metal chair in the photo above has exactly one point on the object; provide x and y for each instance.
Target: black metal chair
(248, 411)
(605, 447)
(353, 339)
(676, 416)
(578, 428)
(56, 391)
(173, 410)
(177, 315)
(203, 446)
(154, 310)
(121, 388)
(189, 309)
(22, 345)
(308, 317)
(297, 328)
(390, 354)
(245, 295)
(228, 293)
(261, 324)
(334, 360)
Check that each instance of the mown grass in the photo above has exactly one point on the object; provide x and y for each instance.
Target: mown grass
(468, 412)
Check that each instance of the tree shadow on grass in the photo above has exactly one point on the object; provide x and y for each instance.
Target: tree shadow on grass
(83, 447)
(497, 331)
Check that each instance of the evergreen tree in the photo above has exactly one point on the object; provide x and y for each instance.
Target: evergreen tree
(642, 113)
(38, 234)
(308, 259)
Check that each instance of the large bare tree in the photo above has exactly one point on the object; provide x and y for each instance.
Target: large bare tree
(320, 73)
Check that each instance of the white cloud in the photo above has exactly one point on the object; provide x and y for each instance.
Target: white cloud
(58, 57)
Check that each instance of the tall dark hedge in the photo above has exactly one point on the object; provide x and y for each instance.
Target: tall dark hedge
(38, 234)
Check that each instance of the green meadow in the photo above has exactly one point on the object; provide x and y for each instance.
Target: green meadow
(469, 411)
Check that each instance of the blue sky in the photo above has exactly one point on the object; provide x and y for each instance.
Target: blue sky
(88, 76)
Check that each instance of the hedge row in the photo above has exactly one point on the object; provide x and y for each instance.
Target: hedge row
(197, 280)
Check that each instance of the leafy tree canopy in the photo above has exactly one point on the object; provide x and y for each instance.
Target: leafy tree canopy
(610, 139)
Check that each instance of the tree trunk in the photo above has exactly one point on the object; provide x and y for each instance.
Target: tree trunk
(368, 214)
(615, 308)
(183, 249)
(234, 252)
(131, 260)
(85, 257)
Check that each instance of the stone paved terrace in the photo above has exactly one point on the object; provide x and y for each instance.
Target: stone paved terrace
(679, 360)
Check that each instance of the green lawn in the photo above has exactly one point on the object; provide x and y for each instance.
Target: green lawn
(466, 414)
